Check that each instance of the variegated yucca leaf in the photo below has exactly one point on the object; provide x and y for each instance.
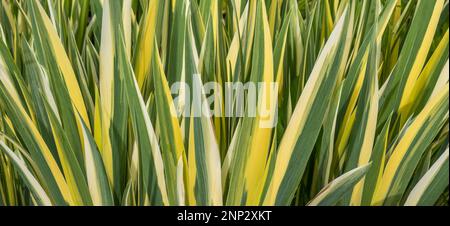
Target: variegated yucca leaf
(110, 102)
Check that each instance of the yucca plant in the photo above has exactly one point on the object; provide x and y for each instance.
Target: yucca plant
(89, 114)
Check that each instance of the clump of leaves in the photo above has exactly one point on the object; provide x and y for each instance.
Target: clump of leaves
(86, 108)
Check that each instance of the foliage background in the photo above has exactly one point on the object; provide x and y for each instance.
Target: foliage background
(85, 103)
